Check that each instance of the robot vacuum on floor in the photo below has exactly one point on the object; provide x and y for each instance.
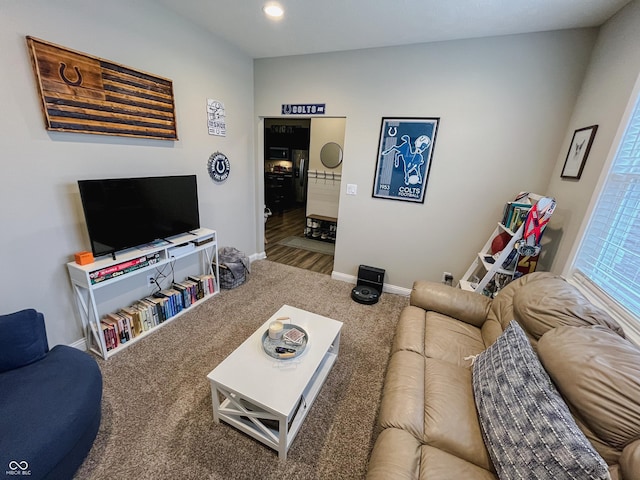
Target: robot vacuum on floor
(364, 294)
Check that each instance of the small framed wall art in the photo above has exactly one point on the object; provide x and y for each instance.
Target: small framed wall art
(578, 152)
(405, 150)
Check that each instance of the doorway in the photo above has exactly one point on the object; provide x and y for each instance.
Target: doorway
(298, 188)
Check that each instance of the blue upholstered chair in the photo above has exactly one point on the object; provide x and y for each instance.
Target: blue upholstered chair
(50, 401)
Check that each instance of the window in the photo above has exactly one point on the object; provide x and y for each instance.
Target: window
(609, 256)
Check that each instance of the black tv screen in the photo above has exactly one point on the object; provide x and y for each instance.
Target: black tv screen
(127, 212)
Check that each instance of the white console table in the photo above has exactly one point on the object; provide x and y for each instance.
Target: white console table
(202, 242)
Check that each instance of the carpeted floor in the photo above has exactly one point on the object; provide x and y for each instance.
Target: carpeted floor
(157, 416)
(310, 244)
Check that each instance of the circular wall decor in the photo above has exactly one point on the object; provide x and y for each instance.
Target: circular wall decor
(218, 167)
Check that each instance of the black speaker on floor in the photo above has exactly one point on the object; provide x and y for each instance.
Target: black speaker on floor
(369, 285)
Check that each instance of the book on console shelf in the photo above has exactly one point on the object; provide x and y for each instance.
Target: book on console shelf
(174, 298)
(206, 282)
(110, 334)
(199, 287)
(124, 267)
(193, 288)
(184, 291)
(122, 326)
(145, 315)
(151, 310)
(134, 320)
(161, 307)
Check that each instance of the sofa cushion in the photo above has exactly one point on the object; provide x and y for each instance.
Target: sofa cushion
(436, 464)
(402, 403)
(396, 455)
(527, 427)
(606, 395)
(630, 460)
(502, 305)
(450, 417)
(410, 330)
(451, 340)
(541, 306)
(23, 339)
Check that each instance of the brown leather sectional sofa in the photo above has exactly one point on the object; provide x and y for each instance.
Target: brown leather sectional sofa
(428, 420)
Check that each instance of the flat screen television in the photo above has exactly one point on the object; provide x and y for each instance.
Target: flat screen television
(123, 213)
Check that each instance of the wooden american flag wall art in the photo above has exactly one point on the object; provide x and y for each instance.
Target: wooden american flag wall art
(86, 94)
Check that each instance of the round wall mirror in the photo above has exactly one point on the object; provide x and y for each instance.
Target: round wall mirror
(331, 155)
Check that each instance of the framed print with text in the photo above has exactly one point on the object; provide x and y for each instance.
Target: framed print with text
(578, 152)
(405, 151)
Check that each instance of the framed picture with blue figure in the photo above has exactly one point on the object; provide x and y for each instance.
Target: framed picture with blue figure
(405, 153)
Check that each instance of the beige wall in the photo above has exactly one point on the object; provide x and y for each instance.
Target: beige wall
(42, 220)
(605, 92)
(504, 105)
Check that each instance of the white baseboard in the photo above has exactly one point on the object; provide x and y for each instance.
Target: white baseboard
(80, 344)
(385, 288)
(257, 256)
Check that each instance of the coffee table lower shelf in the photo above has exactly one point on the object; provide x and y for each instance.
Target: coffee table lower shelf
(275, 430)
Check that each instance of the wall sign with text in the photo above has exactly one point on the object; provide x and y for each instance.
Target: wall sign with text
(405, 150)
(303, 109)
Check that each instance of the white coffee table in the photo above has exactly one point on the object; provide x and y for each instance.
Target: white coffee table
(269, 398)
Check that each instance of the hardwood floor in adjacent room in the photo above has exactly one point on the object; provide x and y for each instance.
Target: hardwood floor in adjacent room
(288, 223)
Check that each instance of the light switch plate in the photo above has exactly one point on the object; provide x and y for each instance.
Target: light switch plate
(352, 189)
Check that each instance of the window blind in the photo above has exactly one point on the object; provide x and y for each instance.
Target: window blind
(609, 255)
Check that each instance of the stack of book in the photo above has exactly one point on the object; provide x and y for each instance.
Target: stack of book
(106, 273)
(143, 315)
(514, 215)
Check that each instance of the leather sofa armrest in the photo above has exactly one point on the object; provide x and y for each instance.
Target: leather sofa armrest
(630, 461)
(468, 307)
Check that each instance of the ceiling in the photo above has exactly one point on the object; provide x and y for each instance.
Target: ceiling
(315, 26)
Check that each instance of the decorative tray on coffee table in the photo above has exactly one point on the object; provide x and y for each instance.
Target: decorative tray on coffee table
(291, 345)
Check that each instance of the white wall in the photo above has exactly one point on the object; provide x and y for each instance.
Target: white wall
(608, 83)
(42, 220)
(504, 105)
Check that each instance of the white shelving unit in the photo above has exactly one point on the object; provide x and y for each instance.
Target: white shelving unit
(481, 271)
(486, 269)
(202, 242)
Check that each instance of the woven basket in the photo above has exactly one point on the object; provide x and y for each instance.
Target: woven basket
(233, 267)
(229, 280)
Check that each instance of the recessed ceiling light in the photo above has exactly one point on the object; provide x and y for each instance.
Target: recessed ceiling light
(273, 10)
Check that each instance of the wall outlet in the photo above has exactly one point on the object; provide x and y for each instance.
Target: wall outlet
(447, 278)
(151, 281)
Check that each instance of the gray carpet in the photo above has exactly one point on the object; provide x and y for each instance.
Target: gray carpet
(310, 244)
(157, 416)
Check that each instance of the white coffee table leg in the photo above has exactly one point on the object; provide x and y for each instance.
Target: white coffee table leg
(216, 403)
(282, 439)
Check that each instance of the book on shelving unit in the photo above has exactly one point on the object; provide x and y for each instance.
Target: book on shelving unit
(515, 215)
